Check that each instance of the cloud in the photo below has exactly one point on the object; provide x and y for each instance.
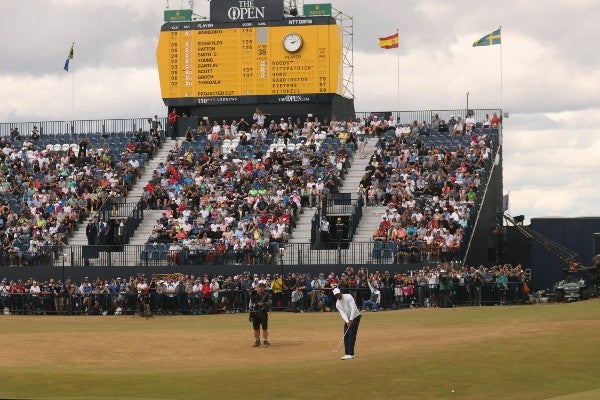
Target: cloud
(552, 170)
(99, 93)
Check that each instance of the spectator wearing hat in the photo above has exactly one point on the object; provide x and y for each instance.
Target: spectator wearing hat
(283, 125)
(376, 126)
(4, 294)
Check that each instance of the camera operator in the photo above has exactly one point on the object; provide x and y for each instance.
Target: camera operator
(260, 303)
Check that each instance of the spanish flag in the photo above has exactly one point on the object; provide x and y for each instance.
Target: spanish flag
(389, 42)
(489, 39)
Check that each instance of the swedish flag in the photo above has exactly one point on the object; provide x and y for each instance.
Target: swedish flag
(489, 39)
(69, 57)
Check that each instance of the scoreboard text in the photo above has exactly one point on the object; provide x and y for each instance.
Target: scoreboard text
(221, 62)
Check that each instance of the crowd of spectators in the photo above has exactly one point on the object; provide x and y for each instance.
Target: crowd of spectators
(429, 191)
(47, 189)
(441, 285)
(238, 188)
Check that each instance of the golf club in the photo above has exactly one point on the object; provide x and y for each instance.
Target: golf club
(337, 348)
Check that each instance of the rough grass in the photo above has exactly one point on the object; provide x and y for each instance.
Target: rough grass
(518, 352)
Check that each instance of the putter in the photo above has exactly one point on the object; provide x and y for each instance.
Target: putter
(341, 341)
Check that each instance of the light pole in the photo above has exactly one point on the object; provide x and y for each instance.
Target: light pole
(64, 256)
(467, 103)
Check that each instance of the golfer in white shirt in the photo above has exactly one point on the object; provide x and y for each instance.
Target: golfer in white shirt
(347, 307)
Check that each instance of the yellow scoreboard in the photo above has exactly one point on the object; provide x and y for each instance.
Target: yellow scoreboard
(239, 62)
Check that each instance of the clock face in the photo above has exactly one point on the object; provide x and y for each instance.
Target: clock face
(292, 42)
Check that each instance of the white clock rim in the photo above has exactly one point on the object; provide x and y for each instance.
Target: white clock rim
(294, 35)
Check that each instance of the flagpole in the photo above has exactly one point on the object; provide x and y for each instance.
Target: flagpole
(501, 84)
(398, 69)
(73, 88)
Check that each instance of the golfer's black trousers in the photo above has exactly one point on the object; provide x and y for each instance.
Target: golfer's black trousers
(350, 337)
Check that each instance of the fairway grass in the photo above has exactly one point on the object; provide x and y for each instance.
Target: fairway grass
(518, 352)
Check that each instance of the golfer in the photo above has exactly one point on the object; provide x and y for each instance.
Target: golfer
(351, 316)
(260, 303)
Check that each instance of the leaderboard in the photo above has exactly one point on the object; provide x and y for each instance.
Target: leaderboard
(213, 63)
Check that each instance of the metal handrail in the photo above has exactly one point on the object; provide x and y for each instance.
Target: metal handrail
(133, 124)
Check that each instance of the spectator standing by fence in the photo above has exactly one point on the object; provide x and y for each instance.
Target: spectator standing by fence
(155, 124)
(324, 229)
(4, 293)
(172, 118)
(315, 286)
(91, 232)
(361, 137)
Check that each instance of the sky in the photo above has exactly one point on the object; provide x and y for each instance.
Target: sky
(548, 64)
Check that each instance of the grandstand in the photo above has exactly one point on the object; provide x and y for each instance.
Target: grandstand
(221, 196)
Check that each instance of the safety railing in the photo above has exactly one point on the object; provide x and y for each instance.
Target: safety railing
(79, 126)
(163, 254)
(133, 124)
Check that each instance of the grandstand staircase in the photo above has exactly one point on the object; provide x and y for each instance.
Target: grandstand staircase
(141, 234)
(369, 221)
(364, 233)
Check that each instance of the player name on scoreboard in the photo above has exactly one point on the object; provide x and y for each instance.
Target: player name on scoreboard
(223, 62)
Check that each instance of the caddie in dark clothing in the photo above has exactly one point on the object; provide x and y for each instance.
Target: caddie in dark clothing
(260, 304)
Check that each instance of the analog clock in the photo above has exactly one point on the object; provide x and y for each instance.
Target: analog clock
(292, 42)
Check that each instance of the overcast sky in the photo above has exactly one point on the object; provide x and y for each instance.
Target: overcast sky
(550, 75)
